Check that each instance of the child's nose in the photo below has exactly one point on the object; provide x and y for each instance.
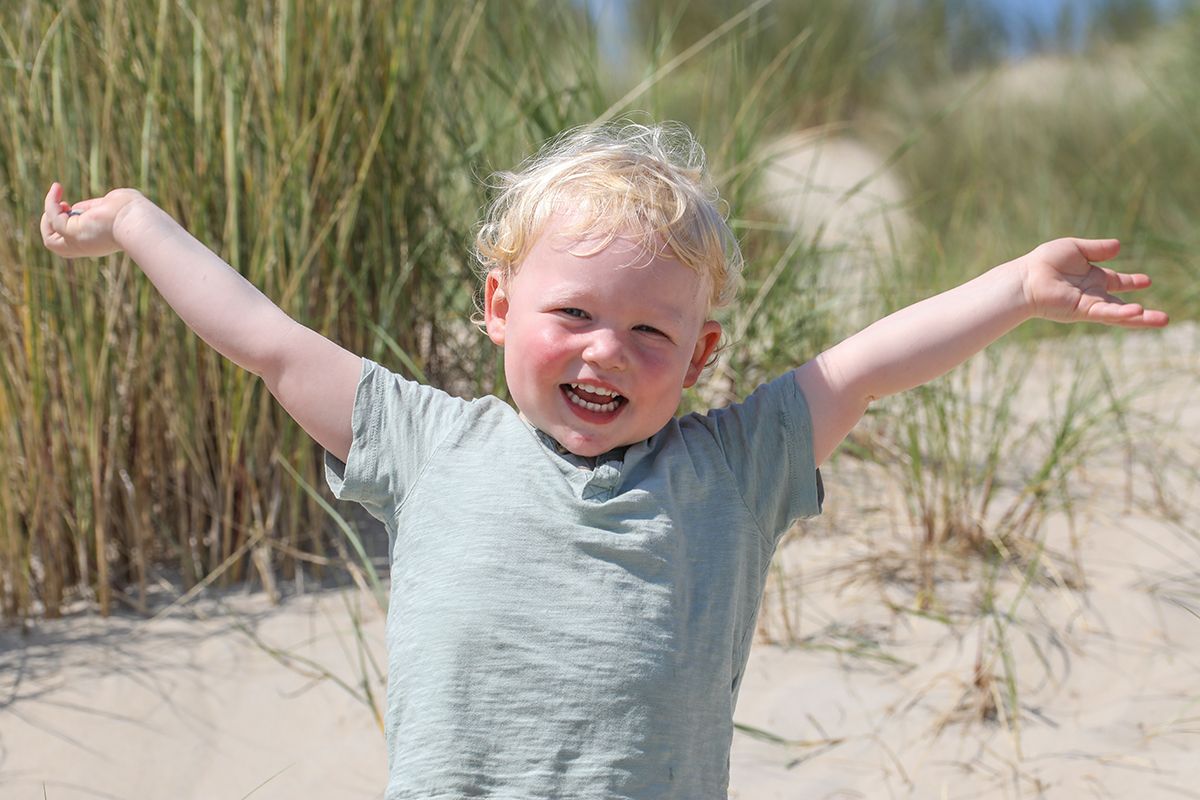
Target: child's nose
(605, 350)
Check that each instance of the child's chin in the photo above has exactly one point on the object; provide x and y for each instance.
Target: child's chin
(587, 446)
(588, 450)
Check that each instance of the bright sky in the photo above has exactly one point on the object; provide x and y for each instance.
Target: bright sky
(1017, 16)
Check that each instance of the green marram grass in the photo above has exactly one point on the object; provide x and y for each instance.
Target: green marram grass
(329, 152)
(332, 153)
(335, 154)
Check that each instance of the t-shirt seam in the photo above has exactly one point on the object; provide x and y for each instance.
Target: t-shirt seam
(795, 469)
(740, 655)
(375, 420)
(769, 539)
(762, 534)
(765, 540)
(434, 451)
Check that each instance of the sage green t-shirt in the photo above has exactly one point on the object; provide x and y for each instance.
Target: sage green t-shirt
(561, 627)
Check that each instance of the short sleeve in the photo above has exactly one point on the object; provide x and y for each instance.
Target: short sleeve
(767, 443)
(397, 426)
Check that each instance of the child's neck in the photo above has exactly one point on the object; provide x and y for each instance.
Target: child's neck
(583, 462)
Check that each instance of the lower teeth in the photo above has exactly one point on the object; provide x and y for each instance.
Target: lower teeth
(579, 401)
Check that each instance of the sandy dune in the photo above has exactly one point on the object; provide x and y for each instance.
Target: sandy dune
(840, 196)
(1106, 675)
(1110, 704)
(189, 706)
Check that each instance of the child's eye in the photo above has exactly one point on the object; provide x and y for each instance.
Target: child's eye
(578, 313)
(651, 329)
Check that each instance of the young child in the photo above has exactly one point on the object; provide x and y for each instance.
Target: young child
(574, 584)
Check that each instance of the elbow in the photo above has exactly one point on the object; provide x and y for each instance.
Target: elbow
(269, 360)
(269, 368)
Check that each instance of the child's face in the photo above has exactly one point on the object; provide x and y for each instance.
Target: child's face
(598, 349)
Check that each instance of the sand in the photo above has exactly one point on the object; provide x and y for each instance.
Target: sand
(890, 703)
(191, 706)
(841, 197)
(879, 702)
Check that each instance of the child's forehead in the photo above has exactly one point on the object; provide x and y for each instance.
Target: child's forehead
(564, 265)
(575, 235)
(599, 254)
(578, 249)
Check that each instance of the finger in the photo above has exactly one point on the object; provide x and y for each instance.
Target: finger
(1124, 281)
(53, 227)
(47, 231)
(53, 198)
(1146, 319)
(1153, 318)
(1127, 315)
(1097, 249)
(57, 210)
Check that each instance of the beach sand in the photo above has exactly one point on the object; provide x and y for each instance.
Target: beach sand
(231, 697)
(891, 703)
(193, 705)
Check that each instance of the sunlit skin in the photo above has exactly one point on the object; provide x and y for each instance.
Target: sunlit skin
(576, 328)
(621, 320)
(1056, 280)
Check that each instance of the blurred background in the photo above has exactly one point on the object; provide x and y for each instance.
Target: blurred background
(337, 155)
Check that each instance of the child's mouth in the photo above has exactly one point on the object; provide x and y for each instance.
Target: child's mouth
(593, 398)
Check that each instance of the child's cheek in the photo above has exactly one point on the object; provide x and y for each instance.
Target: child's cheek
(549, 349)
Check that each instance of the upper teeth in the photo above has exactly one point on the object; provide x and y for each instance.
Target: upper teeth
(600, 390)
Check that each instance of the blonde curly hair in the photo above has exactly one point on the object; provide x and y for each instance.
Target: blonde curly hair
(623, 179)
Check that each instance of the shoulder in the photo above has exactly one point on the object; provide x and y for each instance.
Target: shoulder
(381, 383)
(392, 406)
(775, 402)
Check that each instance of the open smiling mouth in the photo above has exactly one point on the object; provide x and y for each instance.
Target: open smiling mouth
(593, 398)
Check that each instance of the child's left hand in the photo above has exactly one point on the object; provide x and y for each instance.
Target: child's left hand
(1062, 284)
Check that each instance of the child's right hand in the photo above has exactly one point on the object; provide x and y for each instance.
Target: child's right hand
(1061, 283)
(85, 228)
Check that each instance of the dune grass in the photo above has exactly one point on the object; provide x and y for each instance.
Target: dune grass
(1095, 145)
(335, 155)
(328, 152)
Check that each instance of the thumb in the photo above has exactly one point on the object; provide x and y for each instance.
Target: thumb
(1097, 249)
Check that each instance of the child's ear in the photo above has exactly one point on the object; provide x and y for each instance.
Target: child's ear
(710, 336)
(495, 306)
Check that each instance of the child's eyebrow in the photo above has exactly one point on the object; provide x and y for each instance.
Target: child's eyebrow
(667, 314)
(562, 294)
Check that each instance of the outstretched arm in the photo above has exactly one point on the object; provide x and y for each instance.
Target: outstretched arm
(313, 378)
(1056, 281)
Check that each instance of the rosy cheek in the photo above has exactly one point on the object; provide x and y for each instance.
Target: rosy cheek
(549, 347)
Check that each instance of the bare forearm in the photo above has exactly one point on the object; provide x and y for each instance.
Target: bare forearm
(222, 307)
(312, 377)
(908, 348)
(1056, 280)
(926, 340)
